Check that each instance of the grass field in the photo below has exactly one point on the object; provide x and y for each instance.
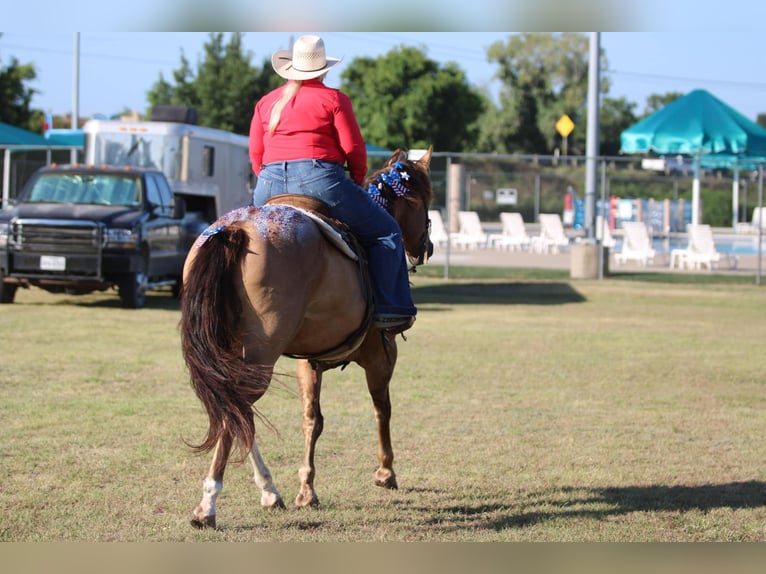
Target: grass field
(528, 409)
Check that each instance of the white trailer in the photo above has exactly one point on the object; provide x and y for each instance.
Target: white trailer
(208, 168)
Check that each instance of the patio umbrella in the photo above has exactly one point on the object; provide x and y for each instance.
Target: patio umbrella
(699, 125)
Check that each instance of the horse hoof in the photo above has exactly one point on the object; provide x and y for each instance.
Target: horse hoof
(204, 522)
(386, 479)
(271, 500)
(306, 500)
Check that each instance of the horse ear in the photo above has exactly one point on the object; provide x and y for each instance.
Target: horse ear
(396, 156)
(425, 159)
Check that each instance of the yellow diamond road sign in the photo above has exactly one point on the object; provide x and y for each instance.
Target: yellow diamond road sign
(564, 126)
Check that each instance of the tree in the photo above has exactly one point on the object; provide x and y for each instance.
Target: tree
(405, 100)
(15, 94)
(615, 116)
(658, 101)
(544, 76)
(224, 88)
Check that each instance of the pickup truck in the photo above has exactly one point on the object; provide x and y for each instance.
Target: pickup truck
(78, 229)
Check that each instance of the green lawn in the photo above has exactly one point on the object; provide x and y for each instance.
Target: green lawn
(531, 408)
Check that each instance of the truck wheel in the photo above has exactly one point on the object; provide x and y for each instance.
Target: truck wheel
(7, 291)
(132, 290)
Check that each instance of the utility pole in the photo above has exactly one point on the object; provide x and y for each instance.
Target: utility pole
(75, 93)
(592, 137)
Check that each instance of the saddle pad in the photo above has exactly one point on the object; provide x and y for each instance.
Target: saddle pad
(335, 237)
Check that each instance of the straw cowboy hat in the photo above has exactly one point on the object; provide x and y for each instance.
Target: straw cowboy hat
(306, 61)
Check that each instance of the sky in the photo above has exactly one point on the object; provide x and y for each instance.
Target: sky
(120, 59)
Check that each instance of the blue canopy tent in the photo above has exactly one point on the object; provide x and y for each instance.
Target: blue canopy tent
(703, 127)
(14, 139)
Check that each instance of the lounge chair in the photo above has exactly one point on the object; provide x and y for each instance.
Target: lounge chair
(438, 235)
(514, 234)
(701, 253)
(552, 237)
(470, 235)
(604, 234)
(636, 244)
(759, 218)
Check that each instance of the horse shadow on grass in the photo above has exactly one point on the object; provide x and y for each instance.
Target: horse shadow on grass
(602, 503)
(498, 293)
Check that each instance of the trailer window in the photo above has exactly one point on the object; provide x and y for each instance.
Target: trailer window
(208, 161)
(138, 150)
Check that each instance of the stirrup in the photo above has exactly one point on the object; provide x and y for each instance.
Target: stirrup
(393, 324)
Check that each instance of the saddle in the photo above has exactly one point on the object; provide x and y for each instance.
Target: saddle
(341, 237)
(335, 230)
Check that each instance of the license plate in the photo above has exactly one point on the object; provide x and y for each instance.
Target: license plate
(52, 263)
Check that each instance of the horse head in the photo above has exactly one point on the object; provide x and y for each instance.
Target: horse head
(403, 188)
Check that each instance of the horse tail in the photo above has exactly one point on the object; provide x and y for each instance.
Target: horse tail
(211, 308)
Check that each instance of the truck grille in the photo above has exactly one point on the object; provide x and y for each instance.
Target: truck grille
(32, 242)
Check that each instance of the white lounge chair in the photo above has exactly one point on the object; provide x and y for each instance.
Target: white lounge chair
(471, 234)
(702, 250)
(636, 244)
(701, 253)
(438, 235)
(603, 233)
(514, 234)
(552, 237)
(759, 218)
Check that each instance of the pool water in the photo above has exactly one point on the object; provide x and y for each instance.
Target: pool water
(734, 244)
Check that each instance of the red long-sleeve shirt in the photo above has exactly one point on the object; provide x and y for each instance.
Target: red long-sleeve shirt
(318, 123)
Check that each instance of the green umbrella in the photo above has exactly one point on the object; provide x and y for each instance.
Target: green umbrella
(702, 126)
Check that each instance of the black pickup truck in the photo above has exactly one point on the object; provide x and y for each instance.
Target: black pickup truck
(78, 229)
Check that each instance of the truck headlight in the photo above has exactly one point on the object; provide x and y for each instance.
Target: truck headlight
(121, 238)
(4, 227)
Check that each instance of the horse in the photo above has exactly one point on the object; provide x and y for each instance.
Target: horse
(265, 282)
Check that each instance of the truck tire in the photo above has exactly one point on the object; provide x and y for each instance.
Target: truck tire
(7, 291)
(132, 290)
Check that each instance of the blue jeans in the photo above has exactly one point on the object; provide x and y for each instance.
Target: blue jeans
(377, 231)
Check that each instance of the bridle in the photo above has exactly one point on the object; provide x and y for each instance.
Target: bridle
(426, 247)
(397, 180)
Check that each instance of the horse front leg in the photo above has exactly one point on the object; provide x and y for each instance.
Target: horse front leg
(378, 358)
(309, 385)
(204, 515)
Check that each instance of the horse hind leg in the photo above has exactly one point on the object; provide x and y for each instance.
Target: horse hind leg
(270, 497)
(309, 383)
(204, 515)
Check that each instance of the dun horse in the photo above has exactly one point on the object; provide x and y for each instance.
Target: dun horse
(263, 282)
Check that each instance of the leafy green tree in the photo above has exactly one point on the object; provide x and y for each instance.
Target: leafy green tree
(657, 101)
(543, 77)
(223, 89)
(615, 116)
(15, 94)
(403, 99)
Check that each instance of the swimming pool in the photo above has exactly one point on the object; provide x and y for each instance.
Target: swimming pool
(734, 244)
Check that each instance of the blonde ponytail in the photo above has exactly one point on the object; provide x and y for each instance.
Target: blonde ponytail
(288, 94)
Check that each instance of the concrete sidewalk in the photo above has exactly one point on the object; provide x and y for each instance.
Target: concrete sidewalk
(490, 257)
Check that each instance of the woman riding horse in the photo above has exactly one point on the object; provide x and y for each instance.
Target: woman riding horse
(301, 136)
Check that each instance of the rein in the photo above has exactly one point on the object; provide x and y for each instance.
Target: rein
(397, 179)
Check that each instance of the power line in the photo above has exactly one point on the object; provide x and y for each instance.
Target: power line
(723, 83)
(69, 53)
